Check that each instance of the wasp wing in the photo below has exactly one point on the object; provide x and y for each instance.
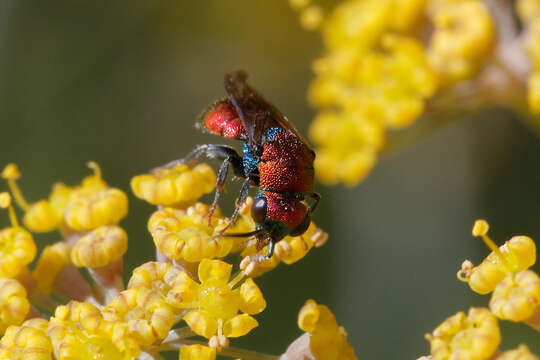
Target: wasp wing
(256, 113)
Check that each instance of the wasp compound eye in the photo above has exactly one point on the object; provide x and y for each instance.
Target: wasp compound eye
(259, 209)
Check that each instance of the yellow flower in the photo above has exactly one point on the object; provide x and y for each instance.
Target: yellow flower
(514, 256)
(52, 260)
(180, 184)
(100, 247)
(216, 302)
(328, 340)
(145, 312)
(516, 297)
(26, 342)
(528, 10)
(197, 352)
(105, 207)
(185, 234)
(13, 303)
(79, 331)
(522, 352)
(464, 38)
(475, 336)
(17, 249)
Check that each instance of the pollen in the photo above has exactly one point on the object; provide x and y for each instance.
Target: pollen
(145, 312)
(79, 331)
(14, 304)
(100, 247)
(328, 340)
(28, 341)
(517, 297)
(180, 184)
(472, 336)
(185, 234)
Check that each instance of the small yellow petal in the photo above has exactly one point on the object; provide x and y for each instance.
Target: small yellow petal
(252, 298)
(239, 325)
(217, 270)
(201, 323)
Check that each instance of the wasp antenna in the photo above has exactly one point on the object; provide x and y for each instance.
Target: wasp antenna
(246, 234)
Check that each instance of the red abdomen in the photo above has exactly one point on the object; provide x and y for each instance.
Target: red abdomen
(223, 120)
(286, 164)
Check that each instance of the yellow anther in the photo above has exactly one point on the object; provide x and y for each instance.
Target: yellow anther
(96, 168)
(197, 352)
(5, 200)
(11, 172)
(480, 228)
(311, 17)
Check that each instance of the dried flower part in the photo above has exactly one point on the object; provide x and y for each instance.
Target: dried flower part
(105, 207)
(14, 304)
(185, 234)
(464, 38)
(516, 298)
(522, 352)
(26, 342)
(475, 336)
(100, 247)
(17, 249)
(180, 184)
(146, 314)
(328, 340)
(197, 352)
(78, 330)
(53, 259)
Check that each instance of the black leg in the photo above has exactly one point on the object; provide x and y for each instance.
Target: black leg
(315, 196)
(221, 152)
(270, 252)
(239, 203)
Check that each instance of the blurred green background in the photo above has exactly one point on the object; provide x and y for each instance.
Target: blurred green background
(121, 83)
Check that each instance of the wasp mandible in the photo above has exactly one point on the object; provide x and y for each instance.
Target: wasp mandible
(276, 159)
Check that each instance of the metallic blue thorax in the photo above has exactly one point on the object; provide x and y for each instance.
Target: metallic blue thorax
(251, 161)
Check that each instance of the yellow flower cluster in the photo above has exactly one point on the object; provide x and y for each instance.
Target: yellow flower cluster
(81, 208)
(529, 13)
(378, 72)
(516, 297)
(101, 318)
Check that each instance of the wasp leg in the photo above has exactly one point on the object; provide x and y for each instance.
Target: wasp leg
(315, 196)
(239, 203)
(221, 152)
(270, 252)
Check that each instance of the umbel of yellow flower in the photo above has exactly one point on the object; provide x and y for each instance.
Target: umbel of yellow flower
(474, 336)
(84, 207)
(515, 255)
(217, 302)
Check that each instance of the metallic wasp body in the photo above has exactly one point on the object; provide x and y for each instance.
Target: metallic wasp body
(276, 159)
